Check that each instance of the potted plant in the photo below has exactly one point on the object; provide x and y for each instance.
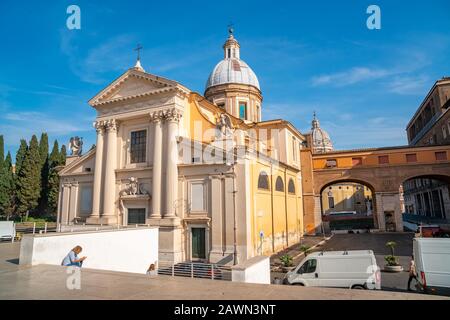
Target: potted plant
(392, 264)
(305, 249)
(288, 262)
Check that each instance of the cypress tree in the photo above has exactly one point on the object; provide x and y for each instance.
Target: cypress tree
(21, 154)
(2, 150)
(29, 179)
(63, 155)
(43, 148)
(7, 187)
(53, 178)
(44, 169)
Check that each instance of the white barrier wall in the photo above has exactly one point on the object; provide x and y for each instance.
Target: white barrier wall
(254, 270)
(127, 250)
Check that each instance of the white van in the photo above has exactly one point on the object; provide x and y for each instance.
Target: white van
(338, 269)
(432, 258)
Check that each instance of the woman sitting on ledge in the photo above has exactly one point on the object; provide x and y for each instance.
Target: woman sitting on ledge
(72, 258)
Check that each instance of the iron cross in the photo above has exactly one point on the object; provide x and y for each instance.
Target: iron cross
(138, 49)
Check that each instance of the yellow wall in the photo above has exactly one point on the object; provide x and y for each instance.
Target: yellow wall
(276, 214)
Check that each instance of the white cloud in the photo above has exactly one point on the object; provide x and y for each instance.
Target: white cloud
(414, 85)
(349, 77)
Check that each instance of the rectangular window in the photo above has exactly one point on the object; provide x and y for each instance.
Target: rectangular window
(86, 199)
(383, 160)
(198, 197)
(357, 162)
(441, 156)
(411, 157)
(242, 110)
(138, 146)
(444, 132)
(136, 216)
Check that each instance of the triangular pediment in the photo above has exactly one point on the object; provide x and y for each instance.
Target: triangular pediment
(133, 84)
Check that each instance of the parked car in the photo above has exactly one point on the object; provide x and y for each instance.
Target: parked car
(338, 269)
(432, 258)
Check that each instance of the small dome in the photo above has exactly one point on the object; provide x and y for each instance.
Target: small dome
(232, 70)
(321, 142)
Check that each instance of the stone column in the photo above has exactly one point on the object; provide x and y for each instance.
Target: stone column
(65, 204)
(172, 118)
(97, 188)
(73, 209)
(217, 245)
(157, 165)
(109, 195)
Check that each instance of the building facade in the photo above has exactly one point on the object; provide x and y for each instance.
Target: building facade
(221, 185)
(430, 126)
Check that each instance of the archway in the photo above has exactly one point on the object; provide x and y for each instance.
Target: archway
(425, 200)
(348, 205)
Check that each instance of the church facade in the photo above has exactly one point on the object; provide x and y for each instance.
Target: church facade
(221, 184)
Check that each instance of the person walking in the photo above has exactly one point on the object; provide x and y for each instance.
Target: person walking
(72, 258)
(412, 273)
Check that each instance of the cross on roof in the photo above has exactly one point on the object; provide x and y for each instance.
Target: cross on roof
(138, 49)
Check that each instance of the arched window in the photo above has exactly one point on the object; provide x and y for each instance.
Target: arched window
(263, 181)
(291, 186)
(279, 185)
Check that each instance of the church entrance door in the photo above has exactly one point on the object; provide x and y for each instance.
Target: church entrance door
(198, 243)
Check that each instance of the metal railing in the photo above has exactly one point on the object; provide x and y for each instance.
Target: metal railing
(196, 270)
(34, 227)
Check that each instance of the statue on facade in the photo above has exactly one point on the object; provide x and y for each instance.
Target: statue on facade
(133, 186)
(224, 126)
(76, 146)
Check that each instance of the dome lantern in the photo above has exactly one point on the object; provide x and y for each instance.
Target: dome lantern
(233, 85)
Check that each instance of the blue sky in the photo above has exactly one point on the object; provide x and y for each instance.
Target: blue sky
(364, 85)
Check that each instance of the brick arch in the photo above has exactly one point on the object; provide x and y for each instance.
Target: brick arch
(351, 180)
(344, 180)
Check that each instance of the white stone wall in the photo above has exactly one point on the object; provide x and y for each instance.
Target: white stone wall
(254, 270)
(131, 250)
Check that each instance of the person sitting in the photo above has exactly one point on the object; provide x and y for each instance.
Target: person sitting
(151, 271)
(72, 258)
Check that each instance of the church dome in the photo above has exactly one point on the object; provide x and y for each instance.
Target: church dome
(320, 139)
(232, 69)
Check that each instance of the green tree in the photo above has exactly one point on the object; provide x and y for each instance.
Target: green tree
(7, 187)
(2, 150)
(29, 179)
(63, 154)
(21, 154)
(43, 148)
(44, 169)
(53, 178)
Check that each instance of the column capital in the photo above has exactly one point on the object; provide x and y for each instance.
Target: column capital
(173, 115)
(99, 126)
(157, 116)
(111, 125)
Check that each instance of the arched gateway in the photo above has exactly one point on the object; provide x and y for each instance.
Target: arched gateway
(383, 170)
